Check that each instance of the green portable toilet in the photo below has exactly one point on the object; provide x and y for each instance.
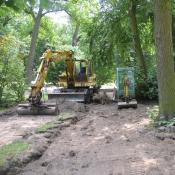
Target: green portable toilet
(121, 72)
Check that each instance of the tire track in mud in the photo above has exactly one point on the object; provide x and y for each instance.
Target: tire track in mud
(136, 168)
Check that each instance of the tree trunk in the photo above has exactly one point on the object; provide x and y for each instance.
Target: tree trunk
(34, 37)
(136, 36)
(75, 37)
(164, 57)
(1, 93)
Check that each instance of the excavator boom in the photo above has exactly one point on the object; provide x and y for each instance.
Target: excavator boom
(35, 105)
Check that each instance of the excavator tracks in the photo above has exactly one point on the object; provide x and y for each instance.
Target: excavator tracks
(42, 109)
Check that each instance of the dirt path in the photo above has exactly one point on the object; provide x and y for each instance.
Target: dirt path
(107, 142)
(15, 127)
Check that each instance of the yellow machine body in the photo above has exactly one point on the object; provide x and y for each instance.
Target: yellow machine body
(73, 71)
(76, 81)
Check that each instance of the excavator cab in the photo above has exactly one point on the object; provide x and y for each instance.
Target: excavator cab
(81, 74)
(80, 71)
(83, 81)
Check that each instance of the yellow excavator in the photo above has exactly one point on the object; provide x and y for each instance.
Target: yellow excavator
(77, 83)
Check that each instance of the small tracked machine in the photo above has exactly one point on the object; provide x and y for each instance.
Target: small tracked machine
(125, 88)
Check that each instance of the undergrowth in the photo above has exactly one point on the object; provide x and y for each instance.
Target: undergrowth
(11, 150)
(153, 114)
(45, 127)
(50, 125)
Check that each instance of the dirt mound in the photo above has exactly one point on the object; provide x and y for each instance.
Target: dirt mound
(101, 97)
(72, 106)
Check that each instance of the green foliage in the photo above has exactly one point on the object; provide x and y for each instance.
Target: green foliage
(105, 37)
(111, 44)
(53, 37)
(81, 11)
(105, 74)
(146, 88)
(11, 150)
(65, 116)
(166, 123)
(109, 41)
(12, 71)
(153, 113)
(45, 127)
(16, 5)
(55, 70)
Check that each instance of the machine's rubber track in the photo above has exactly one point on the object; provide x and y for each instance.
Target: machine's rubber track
(83, 95)
(130, 104)
(68, 96)
(42, 109)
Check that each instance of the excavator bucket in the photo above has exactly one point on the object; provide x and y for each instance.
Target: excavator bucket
(82, 95)
(42, 109)
(68, 96)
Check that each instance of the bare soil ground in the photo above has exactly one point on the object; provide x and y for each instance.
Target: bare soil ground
(105, 142)
(15, 127)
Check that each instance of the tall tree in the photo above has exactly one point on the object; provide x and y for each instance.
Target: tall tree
(136, 35)
(76, 36)
(37, 10)
(33, 43)
(164, 57)
(81, 13)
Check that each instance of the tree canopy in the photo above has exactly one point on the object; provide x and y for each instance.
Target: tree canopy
(111, 33)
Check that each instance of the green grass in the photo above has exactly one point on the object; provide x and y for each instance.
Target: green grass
(50, 125)
(64, 116)
(11, 150)
(45, 127)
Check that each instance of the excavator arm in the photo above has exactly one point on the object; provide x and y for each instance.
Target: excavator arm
(79, 84)
(35, 107)
(48, 57)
